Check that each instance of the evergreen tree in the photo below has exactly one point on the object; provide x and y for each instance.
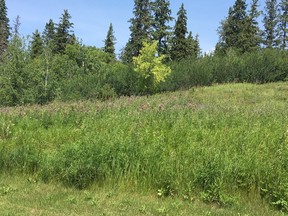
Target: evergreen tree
(270, 35)
(179, 41)
(193, 46)
(190, 46)
(236, 31)
(161, 28)
(36, 45)
(4, 27)
(283, 24)
(49, 32)
(16, 26)
(225, 32)
(140, 28)
(254, 32)
(109, 46)
(197, 49)
(63, 32)
(72, 39)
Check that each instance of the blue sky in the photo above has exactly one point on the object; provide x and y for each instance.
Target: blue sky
(91, 18)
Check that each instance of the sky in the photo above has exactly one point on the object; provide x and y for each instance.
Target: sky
(91, 18)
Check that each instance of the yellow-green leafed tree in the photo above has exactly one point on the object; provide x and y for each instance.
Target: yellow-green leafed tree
(150, 66)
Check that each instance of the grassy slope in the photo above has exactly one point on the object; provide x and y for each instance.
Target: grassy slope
(219, 144)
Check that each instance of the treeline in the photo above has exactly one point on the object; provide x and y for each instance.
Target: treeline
(55, 65)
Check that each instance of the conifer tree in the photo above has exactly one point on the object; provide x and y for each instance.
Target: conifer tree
(109, 46)
(254, 32)
(193, 46)
(283, 24)
(225, 32)
(161, 28)
(49, 32)
(63, 32)
(179, 41)
(270, 35)
(236, 31)
(36, 45)
(16, 26)
(140, 29)
(190, 45)
(4, 27)
(197, 49)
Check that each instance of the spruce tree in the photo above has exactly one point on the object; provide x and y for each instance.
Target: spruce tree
(283, 24)
(16, 26)
(197, 49)
(190, 46)
(63, 32)
(49, 32)
(36, 45)
(4, 27)
(270, 34)
(193, 46)
(236, 31)
(179, 41)
(161, 28)
(254, 32)
(109, 46)
(140, 29)
(226, 34)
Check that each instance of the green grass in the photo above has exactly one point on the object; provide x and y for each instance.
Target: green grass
(220, 149)
(23, 195)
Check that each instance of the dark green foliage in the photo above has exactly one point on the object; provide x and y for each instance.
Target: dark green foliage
(191, 46)
(189, 73)
(197, 49)
(161, 29)
(4, 27)
(253, 31)
(36, 45)
(179, 42)
(141, 28)
(239, 31)
(110, 42)
(270, 34)
(264, 66)
(283, 24)
(63, 32)
(49, 32)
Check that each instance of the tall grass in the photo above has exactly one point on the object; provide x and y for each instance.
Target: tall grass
(204, 142)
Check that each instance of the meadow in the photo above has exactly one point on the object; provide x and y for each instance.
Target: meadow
(217, 150)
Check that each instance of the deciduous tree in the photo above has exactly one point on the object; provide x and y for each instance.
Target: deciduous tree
(149, 65)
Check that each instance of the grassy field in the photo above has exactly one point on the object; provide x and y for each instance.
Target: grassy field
(219, 150)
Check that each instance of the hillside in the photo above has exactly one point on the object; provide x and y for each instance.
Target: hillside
(218, 150)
